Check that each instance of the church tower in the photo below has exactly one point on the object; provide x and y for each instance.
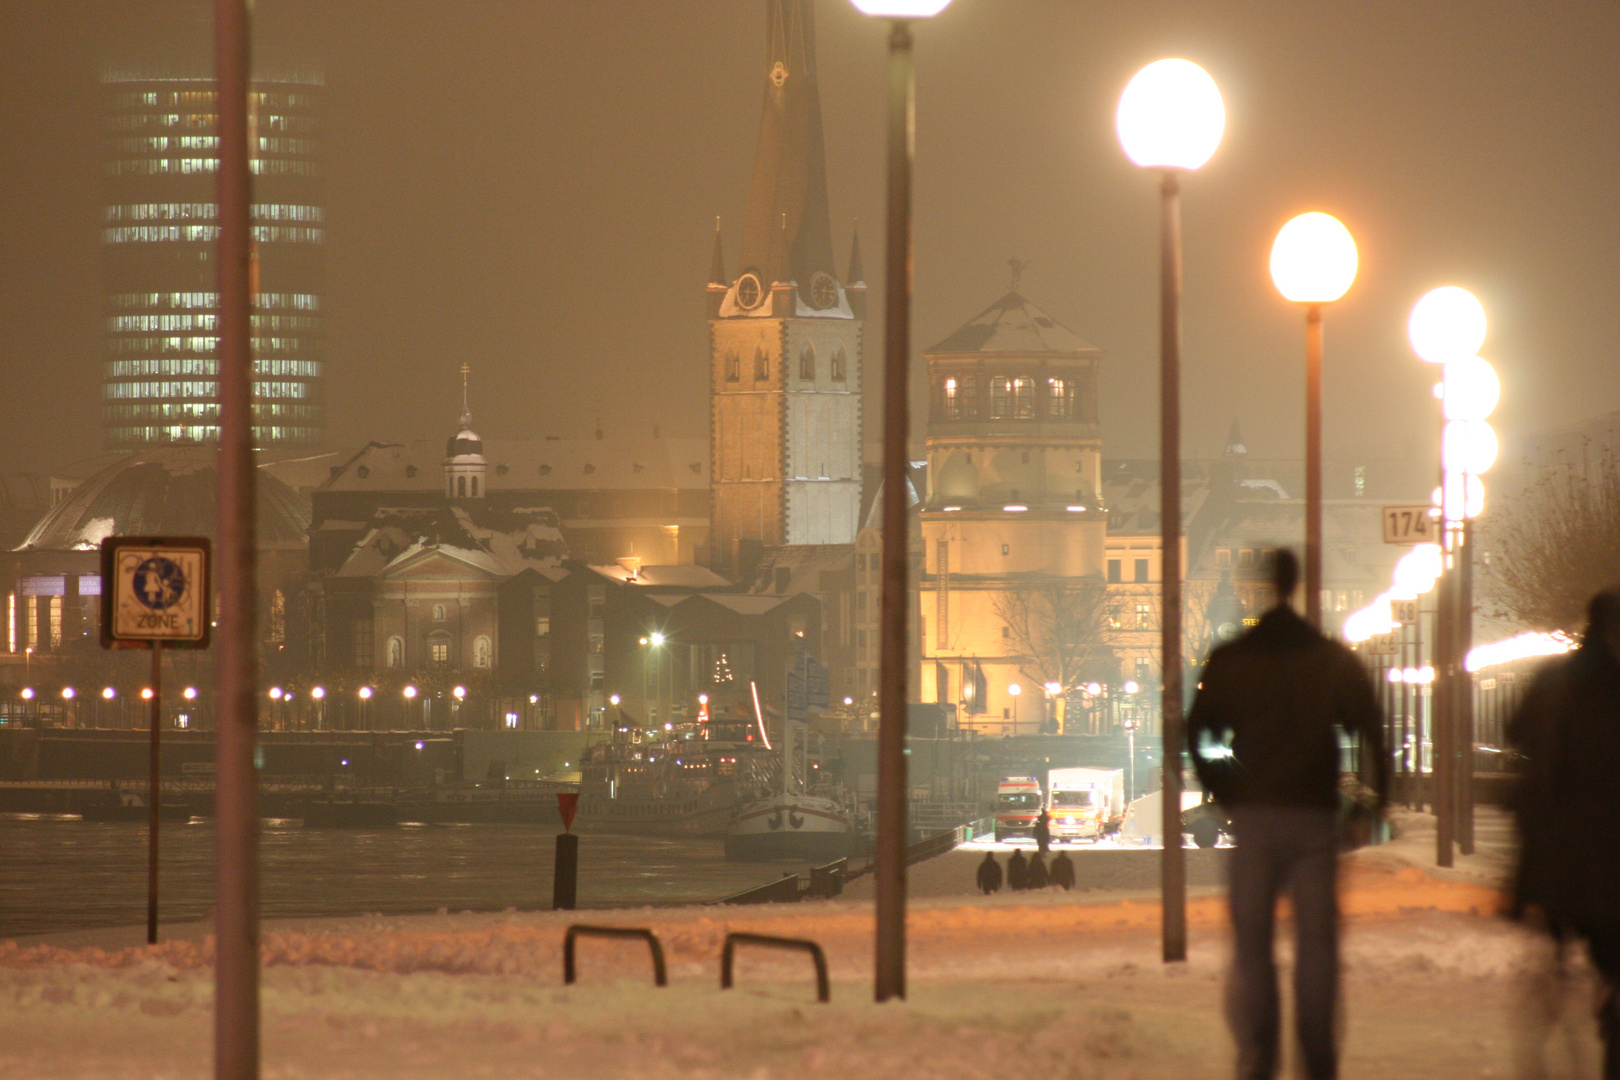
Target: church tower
(466, 472)
(785, 333)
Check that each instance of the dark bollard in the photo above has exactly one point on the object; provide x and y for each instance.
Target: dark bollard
(565, 874)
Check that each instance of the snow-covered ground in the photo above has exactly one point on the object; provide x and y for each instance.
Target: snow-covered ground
(1055, 984)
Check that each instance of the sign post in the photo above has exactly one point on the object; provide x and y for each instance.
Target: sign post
(154, 591)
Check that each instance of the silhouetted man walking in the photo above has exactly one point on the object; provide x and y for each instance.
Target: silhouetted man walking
(989, 875)
(1568, 805)
(1278, 694)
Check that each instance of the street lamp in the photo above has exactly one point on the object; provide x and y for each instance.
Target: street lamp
(1447, 327)
(364, 694)
(1313, 262)
(1013, 690)
(1171, 118)
(889, 972)
(318, 694)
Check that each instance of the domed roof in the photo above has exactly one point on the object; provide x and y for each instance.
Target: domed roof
(164, 491)
(464, 443)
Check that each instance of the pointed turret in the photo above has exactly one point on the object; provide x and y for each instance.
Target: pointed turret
(855, 280)
(1234, 443)
(465, 469)
(787, 235)
(717, 263)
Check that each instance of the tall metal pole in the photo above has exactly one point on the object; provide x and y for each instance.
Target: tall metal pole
(1313, 465)
(154, 797)
(890, 968)
(1462, 714)
(1173, 864)
(1440, 710)
(236, 815)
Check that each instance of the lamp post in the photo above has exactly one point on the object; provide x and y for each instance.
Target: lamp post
(365, 693)
(1313, 262)
(1447, 327)
(1171, 118)
(1013, 690)
(889, 972)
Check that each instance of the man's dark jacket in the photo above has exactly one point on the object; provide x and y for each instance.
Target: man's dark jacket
(1279, 692)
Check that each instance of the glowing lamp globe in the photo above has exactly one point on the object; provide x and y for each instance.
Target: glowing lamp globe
(901, 9)
(365, 693)
(1170, 116)
(1468, 446)
(1446, 324)
(410, 693)
(1014, 689)
(1313, 259)
(1470, 389)
(1417, 570)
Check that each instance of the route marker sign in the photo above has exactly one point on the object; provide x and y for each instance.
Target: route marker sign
(1410, 525)
(1383, 645)
(1404, 612)
(154, 590)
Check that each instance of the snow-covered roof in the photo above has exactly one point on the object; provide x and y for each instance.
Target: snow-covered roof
(499, 542)
(534, 465)
(802, 566)
(680, 577)
(1014, 325)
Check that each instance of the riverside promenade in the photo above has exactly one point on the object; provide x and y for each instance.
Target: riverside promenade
(1053, 984)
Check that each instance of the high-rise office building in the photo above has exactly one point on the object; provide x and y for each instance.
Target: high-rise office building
(160, 377)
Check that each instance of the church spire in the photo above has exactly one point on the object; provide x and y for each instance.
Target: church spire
(856, 275)
(787, 235)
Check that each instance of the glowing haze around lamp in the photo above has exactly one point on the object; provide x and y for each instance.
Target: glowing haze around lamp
(901, 9)
(1313, 259)
(1468, 446)
(1446, 324)
(1171, 116)
(1470, 389)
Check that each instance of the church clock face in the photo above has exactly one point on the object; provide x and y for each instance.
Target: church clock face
(823, 291)
(749, 291)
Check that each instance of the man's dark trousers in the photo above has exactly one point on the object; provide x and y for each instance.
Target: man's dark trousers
(1295, 848)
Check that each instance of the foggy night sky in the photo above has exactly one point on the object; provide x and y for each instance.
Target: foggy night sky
(531, 187)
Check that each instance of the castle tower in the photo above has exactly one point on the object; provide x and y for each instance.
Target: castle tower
(785, 333)
(1014, 464)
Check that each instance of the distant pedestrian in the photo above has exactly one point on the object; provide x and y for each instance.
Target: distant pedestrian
(1017, 872)
(1275, 696)
(1568, 805)
(1036, 874)
(989, 877)
(1063, 871)
(1043, 833)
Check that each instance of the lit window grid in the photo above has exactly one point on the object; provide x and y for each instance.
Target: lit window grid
(207, 301)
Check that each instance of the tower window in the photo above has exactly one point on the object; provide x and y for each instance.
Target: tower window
(461, 487)
(1000, 397)
(733, 367)
(1060, 399)
(838, 365)
(1141, 569)
(1023, 398)
(950, 403)
(807, 364)
(762, 366)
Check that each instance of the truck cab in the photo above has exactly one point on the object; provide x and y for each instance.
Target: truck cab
(1075, 814)
(1018, 804)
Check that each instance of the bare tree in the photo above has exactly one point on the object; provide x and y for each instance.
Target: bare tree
(1556, 544)
(1059, 629)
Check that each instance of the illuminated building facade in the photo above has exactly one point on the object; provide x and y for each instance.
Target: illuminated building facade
(159, 224)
